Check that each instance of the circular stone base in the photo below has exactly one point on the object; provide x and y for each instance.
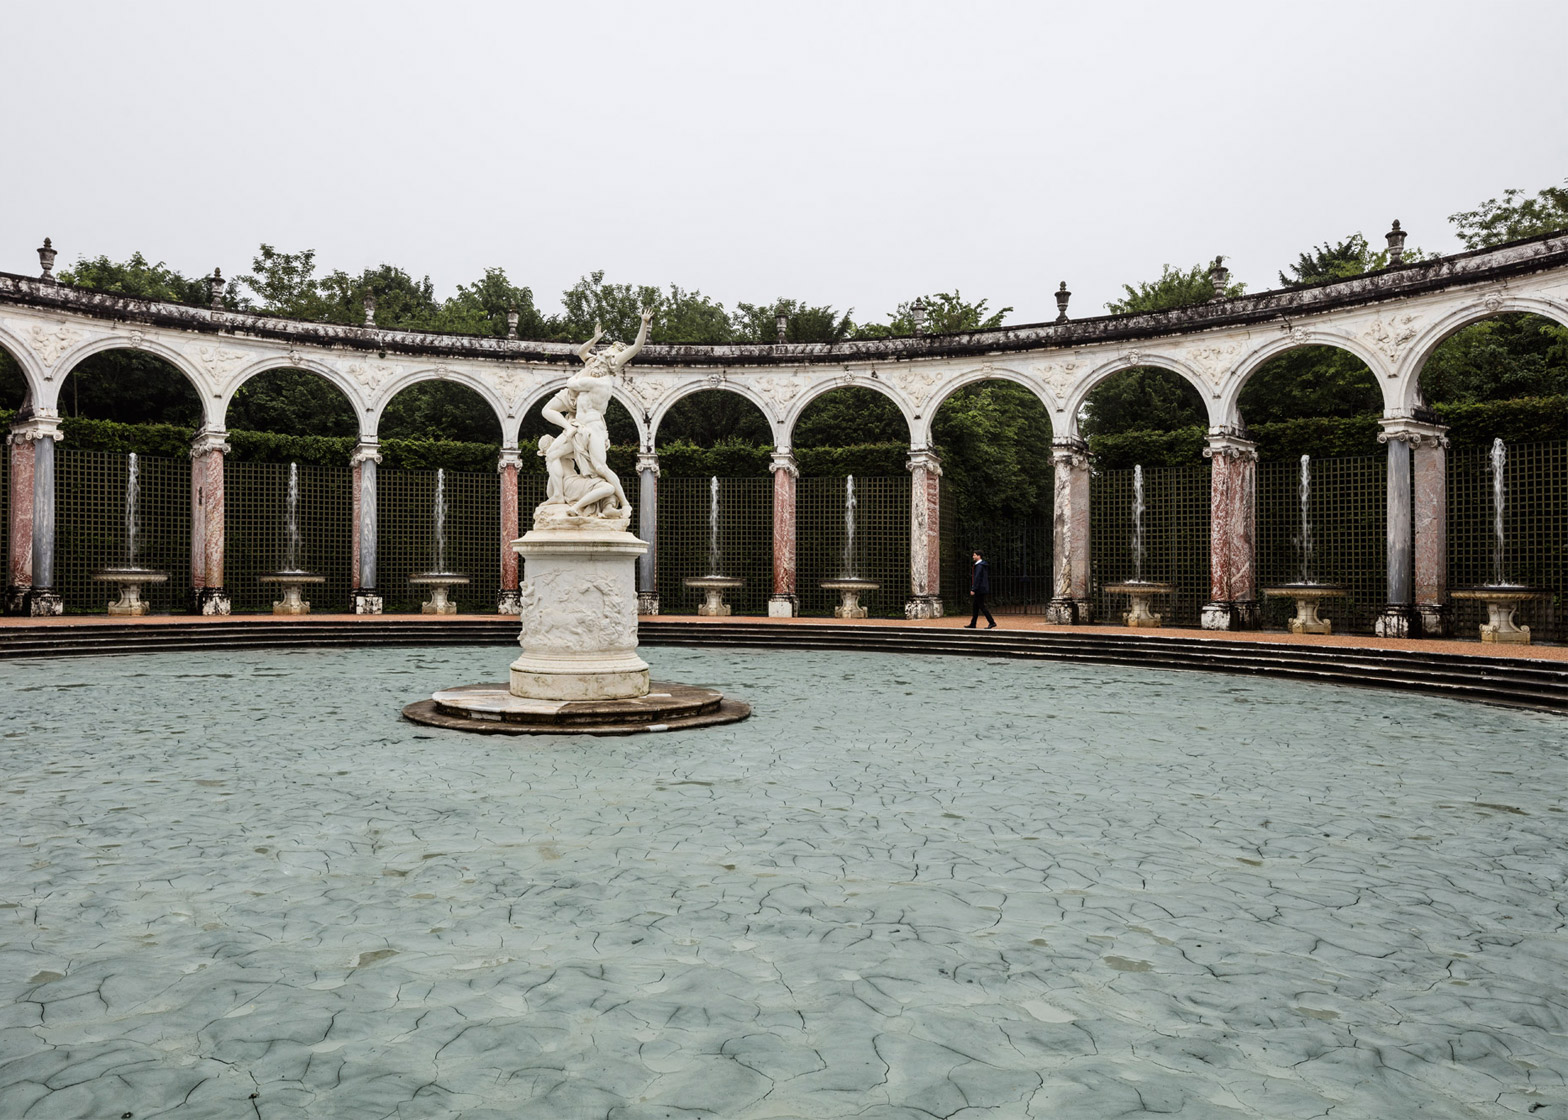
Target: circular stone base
(492, 709)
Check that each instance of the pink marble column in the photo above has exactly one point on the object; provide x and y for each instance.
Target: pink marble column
(19, 573)
(507, 600)
(925, 535)
(784, 602)
(1233, 527)
(1430, 502)
(1070, 535)
(30, 566)
(208, 595)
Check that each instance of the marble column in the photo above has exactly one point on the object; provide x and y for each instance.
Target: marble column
(648, 530)
(1070, 535)
(925, 535)
(507, 600)
(784, 603)
(30, 569)
(1401, 616)
(367, 455)
(1233, 530)
(208, 594)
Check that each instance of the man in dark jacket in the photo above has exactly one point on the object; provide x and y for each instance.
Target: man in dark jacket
(979, 588)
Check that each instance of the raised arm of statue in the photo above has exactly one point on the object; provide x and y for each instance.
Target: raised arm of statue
(618, 361)
(587, 347)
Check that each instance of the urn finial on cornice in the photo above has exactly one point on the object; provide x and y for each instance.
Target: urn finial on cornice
(1396, 244)
(917, 314)
(511, 324)
(46, 256)
(370, 309)
(215, 285)
(781, 326)
(1219, 276)
(1062, 296)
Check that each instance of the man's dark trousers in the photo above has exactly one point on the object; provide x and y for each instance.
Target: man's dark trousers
(980, 608)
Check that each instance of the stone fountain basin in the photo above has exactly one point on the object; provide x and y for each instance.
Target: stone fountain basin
(1500, 591)
(449, 579)
(849, 583)
(291, 577)
(130, 575)
(1312, 591)
(717, 583)
(1138, 587)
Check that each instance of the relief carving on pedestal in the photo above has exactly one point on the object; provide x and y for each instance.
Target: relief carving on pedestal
(563, 614)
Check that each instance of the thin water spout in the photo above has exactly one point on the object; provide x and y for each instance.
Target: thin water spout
(291, 555)
(1499, 459)
(848, 566)
(712, 526)
(132, 497)
(1137, 523)
(439, 515)
(1304, 541)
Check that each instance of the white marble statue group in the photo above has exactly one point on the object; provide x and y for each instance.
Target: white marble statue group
(582, 490)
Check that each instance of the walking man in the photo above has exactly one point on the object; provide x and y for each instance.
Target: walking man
(979, 588)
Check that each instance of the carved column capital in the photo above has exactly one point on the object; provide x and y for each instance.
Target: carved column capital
(648, 461)
(39, 424)
(923, 458)
(1072, 453)
(510, 457)
(785, 461)
(1417, 433)
(1230, 443)
(367, 450)
(209, 439)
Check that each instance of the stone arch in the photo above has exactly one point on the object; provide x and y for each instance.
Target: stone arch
(631, 404)
(1080, 393)
(486, 391)
(1256, 358)
(1405, 394)
(827, 385)
(33, 378)
(305, 364)
(138, 343)
(692, 388)
(940, 394)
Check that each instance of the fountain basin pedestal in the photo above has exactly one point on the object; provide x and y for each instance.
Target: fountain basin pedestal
(713, 589)
(849, 589)
(130, 602)
(1307, 597)
(292, 584)
(438, 582)
(1501, 601)
(579, 616)
(1139, 592)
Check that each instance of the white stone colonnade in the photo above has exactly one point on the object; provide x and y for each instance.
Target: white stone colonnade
(1391, 320)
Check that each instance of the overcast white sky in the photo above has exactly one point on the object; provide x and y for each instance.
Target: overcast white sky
(847, 153)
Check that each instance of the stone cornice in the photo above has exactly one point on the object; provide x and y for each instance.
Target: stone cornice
(35, 426)
(924, 459)
(1229, 443)
(1417, 433)
(1475, 268)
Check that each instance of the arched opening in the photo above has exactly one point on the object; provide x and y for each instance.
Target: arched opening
(994, 440)
(852, 499)
(1149, 493)
(122, 478)
(1505, 378)
(1322, 519)
(715, 500)
(438, 495)
(292, 432)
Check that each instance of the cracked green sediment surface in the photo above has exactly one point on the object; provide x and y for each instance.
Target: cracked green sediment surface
(907, 886)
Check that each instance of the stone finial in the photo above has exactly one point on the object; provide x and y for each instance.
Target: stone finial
(1062, 296)
(1396, 244)
(46, 256)
(917, 313)
(370, 309)
(781, 326)
(215, 286)
(1219, 276)
(511, 324)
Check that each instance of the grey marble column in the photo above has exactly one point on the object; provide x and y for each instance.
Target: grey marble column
(648, 530)
(1070, 534)
(367, 600)
(30, 589)
(1399, 619)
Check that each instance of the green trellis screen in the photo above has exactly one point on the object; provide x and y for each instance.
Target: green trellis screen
(1175, 539)
(90, 527)
(881, 551)
(745, 507)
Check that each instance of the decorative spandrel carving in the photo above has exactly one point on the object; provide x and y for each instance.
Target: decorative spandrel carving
(514, 386)
(1214, 362)
(1059, 376)
(50, 342)
(372, 375)
(917, 383)
(1391, 337)
(779, 390)
(649, 388)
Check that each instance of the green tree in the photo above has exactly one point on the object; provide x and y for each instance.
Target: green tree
(945, 313)
(292, 401)
(481, 308)
(402, 303)
(1144, 398)
(440, 410)
(1516, 215)
(1509, 356)
(1351, 257)
(995, 443)
(1173, 289)
(1310, 381)
(751, 322)
(284, 284)
(136, 277)
(712, 417)
(849, 416)
(679, 316)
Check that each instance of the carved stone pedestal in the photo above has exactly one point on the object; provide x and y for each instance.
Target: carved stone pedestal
(1068, 612)
(849, 591)
(1397, 621)
(1501, 603)
(782, 606)
(507, 601)
(713, 589)
(579, 616)
(292, 585)
(366, 600)
(648, 602)
(923, 606)
(210, 600)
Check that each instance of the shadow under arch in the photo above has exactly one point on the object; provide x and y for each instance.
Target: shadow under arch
(294, 397)
(1502, 347)
(15, 385)
(868, 412)
(945, 392)
(112, 378)
(685, 415)
(1302, 353)
(1152, 393)
(432, 405)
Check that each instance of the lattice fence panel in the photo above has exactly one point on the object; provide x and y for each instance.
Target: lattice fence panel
(745, 541)
(1175, 539)
(1019, 555)
(407, 537)
(5, 509)
(881, 549)
(90, 530)
(255, 498)
(1348, 514)
(1535, 532)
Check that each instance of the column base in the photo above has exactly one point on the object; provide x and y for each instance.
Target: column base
(1068, 612)
(647, 602)
(1237, 614)
(16, 598)
(33, 602)
(923, 606)
(783, 606)
(508, 600)
(1397, 620)
(1435, 619)
(366, 601)
(210, 600)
